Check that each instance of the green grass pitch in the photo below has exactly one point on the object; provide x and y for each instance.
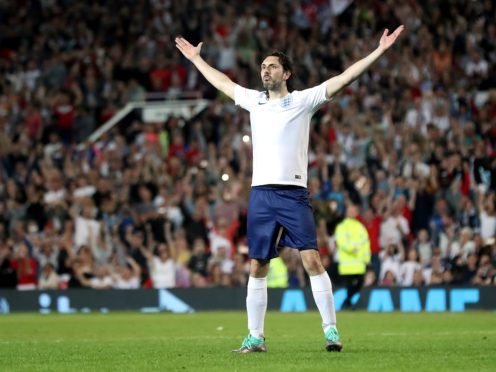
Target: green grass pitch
(203, 341)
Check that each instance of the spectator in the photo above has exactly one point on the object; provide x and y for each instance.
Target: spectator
(390, 263)
(370, 279)
(408, 268)
(467, 244)
(46, 254)
(487, 215)
(485, 273)
(394, 228)
(277, 276)
(26, 268)
(48, 277)
(469, 269)
(423, 246)
(468, 214)
(353, 246)
(389, 279)
(240, 271)
(221, 235)
(162, 266)
(447, 277)
(87, 228)
(372, 222)
(433, 273)
(215, 275)
(183, 251)
(102, 278)
(127, 276)
(222, 260)
(8, 278)
(418, 279)
(198, 262)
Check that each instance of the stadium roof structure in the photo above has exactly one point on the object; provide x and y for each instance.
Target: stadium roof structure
(152, 112)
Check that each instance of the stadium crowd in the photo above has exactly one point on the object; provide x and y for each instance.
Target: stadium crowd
(412, 142)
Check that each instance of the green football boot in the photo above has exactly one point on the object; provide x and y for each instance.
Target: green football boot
(252, 345)
(333, 342)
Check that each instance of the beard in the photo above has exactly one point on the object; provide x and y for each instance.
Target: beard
(272, 85)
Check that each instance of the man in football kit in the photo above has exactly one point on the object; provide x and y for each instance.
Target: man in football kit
(279, 201)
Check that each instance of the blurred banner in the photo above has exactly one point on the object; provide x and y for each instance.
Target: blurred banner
(378, 299)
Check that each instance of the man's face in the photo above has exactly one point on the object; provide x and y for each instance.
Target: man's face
(272, 73)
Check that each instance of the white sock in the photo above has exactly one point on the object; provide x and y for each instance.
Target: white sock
(324, 299)
(256, 305)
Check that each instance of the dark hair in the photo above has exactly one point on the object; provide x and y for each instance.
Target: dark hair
(286, 63)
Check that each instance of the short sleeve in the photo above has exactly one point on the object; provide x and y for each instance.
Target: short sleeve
(246, 98)
(314, 97)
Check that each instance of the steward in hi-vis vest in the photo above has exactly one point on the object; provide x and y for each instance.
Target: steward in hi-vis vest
(278, 274)
(353, 243)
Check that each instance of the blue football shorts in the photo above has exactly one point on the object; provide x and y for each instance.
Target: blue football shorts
(272, 208)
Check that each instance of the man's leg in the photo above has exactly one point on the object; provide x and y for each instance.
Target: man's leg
(353, 286)
(376, 264)
(256, 307)
(256, 298)
(322, 294)
(348, 281)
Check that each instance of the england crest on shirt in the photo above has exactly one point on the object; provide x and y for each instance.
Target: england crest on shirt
(286, 101)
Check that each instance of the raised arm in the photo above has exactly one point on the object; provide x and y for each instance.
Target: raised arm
(218, 79)
(337, 83)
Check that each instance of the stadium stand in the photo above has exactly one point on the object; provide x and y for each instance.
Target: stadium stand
(413, 141)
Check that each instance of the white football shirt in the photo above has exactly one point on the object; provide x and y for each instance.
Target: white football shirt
(280, 133)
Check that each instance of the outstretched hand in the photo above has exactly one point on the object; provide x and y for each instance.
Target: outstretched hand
(388, 40)
(188, 50)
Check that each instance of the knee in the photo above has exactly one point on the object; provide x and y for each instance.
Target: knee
(259, 268)
(315, 268)
(313, 265)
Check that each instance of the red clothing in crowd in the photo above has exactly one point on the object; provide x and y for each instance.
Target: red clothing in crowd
(26, 269)
(34, 124)
(465, 186)
(407, 213)
(65, 116)
(164, 75)
(374, 230)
